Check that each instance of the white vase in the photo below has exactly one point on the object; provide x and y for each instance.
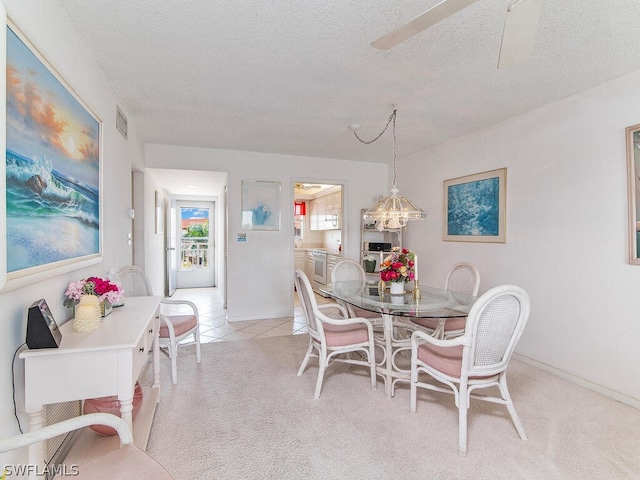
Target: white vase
(397, 299)
(397, 288)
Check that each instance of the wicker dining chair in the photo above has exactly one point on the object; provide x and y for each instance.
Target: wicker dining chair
(333, 339)
(464, 278)
(174, 327)
(477, 359)
(349, 276)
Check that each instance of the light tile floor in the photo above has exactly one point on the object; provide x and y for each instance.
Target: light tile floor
(214, 326)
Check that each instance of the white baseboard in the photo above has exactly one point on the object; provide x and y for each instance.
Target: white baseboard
(607, 392)
(259, 317)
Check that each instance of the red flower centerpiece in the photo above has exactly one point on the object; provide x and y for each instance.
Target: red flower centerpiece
(399, 266)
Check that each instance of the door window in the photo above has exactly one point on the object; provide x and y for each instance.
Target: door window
(194, 238)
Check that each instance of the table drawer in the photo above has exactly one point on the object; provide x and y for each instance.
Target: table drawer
(143, 347)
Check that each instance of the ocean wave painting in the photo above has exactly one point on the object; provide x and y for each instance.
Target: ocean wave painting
(52, 166)
(475, 207)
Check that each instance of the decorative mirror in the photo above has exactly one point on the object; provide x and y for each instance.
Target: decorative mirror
(633, 174)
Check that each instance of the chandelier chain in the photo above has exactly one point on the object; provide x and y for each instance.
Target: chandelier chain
(392, 118)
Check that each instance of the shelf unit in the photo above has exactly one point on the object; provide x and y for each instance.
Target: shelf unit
(369, 233)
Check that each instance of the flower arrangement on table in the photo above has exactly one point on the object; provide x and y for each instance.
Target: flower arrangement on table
(399, 266)
(105, 290)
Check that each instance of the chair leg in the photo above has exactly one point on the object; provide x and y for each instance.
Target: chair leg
(463, 407)
(504, 390)
(413, 389)
(197, 336)
(306, 358)
(322, 361)
(372, 365)
(173, 348)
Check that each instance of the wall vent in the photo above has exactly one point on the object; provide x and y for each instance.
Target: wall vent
(121, 122)
(57, 448)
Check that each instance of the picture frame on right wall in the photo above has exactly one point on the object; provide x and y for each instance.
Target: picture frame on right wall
(475, 207)
(633, 176)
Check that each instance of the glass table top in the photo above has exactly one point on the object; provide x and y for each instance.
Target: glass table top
(432, 303)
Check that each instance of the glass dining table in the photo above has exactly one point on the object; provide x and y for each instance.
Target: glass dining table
(431, 302)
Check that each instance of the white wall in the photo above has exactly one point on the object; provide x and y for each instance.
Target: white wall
(260, 276)
(566, 228)
(46, 26)
(154, 242)
(566, 218)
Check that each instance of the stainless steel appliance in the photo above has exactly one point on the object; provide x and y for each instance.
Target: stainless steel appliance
(320, 266)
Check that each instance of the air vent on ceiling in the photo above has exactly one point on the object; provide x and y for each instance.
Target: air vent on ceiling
(121, 122)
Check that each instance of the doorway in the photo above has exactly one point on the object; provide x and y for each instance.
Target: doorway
(195, 230)
(318, 226)
(318, 220)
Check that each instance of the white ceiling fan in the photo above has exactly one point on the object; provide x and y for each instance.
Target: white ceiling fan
(518, 37)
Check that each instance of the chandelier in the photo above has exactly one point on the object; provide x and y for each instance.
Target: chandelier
(391, 211)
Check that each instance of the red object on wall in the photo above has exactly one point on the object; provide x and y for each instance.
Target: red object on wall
(299, 208)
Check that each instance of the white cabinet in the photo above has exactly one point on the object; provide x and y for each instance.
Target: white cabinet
(317, 207)
(299, 260)
(299, 257)
(333, 211)
(326, 212)
(309, 266)
(332, 260)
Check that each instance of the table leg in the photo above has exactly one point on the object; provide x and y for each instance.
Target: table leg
(36, 450)
(439, 332)
(388, 336)
(126, 410)
(156, 354)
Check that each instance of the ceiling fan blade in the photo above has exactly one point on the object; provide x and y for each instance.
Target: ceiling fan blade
(438, 12)
(519, 36)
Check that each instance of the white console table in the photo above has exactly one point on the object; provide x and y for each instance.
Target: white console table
(104, 362)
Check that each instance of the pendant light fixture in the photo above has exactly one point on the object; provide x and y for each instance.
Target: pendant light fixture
(391, 211)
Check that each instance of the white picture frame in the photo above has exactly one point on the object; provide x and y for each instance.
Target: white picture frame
(261, 205)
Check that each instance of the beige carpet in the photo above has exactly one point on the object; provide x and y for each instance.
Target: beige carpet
(244, 414)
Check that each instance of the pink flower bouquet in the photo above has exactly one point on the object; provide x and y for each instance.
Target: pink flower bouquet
(105, 290)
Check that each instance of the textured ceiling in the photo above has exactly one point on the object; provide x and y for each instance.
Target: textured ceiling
(288, 77)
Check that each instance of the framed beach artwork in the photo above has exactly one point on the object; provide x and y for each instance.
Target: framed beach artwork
(3, 132)
(260, 205)
(475, 207)
(633, 175)
(52, 170)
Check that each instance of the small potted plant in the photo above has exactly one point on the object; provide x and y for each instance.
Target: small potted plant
(369, 262)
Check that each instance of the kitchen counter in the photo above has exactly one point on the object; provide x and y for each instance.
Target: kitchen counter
(320, 249)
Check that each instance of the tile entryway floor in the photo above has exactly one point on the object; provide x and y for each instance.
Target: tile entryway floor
(215, 328)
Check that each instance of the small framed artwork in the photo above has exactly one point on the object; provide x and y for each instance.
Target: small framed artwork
(159, 213)
(260, 205)
(53, 148)
(633, 176)
(475, 207)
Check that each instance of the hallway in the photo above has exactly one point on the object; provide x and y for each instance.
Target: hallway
(215, 328)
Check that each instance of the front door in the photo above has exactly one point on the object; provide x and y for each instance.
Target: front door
(196, 231)
(171, 248)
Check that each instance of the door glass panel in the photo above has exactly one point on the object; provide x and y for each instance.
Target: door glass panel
(194, 238)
